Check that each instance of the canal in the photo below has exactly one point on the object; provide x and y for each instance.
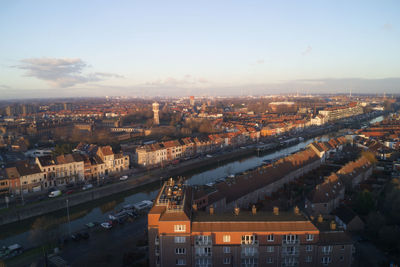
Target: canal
(97, 211)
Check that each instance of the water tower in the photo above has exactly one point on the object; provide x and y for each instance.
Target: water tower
(155, 110)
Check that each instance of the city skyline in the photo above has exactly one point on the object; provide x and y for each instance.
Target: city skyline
(76, 49)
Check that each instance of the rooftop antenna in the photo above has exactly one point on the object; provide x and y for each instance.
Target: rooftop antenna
(350, 92)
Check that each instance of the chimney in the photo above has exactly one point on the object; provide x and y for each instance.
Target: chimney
(254, 210)
(296, 210)
(211, 210)
(276, 210)
(320, 218)
(194, 206)
(333, 225)
(236, 211)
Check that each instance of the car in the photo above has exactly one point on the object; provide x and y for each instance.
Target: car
(85, 235)
(106, 225)
(123, 178)
(87, 186)
(55, 193)
(76, 237)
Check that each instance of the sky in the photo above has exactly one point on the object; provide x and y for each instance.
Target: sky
(203, 48)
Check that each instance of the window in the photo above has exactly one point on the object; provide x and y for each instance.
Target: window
(249, 239)
(342, 248)
(270, 260)
(181, 262)
(270, 238)
(309, 237)
(226, 238)
(249, 261)
(341, 258)
(180, 239)
(180, 251)
(227, 249)
(327, 249)
(326, 260)
(270, 249)
(203, 240)
(249, 251)
(309, 258)
(203, 251)
(308, 248)
(179, 228)
(200, 262)
(291, 239)
(227, 260)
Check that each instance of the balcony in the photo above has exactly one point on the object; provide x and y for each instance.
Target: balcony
(244, 254)
(203, 254)
(203, 243)
(290, 253)
(157, 252)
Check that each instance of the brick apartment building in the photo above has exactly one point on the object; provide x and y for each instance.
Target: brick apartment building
(181, 235)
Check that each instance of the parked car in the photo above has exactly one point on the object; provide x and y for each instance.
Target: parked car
(87, 186)
(123, 178)
(106, 225)
(55, 193)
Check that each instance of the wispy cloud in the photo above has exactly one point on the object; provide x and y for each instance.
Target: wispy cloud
(387, 27)
(6, 87)
(62, 72)
(307, 51)
(187, 80)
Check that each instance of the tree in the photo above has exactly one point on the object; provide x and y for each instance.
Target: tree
(364, 202)
(375, 221)
(370, 156)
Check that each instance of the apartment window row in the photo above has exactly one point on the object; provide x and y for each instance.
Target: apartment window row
(181, 262)
(203, 262)
(226, 238)
(326, 260)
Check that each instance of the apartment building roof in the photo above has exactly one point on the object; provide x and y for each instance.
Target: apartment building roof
(328, 190)
(245, 221)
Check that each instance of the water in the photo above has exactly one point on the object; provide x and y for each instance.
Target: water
(98, 210)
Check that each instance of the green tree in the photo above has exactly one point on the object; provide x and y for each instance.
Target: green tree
(375, 221)
(364, 202)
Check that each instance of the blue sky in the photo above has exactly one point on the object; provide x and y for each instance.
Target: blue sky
(81, 48)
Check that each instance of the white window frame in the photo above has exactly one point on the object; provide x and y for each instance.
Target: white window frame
(180, 239)
(180, 251)
(309, 237)
(308, 258)
(227, 250)
(270, 238)
(309, 248)
(270, 248)
(270, 260)
(226, 238)
(179, 228)
(181, 262)
(227, 260)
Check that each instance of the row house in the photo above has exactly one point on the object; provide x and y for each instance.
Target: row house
(325, 149)
(24, 177)
(61, 170)
(326, 197)
(114, 163)
(252, 186)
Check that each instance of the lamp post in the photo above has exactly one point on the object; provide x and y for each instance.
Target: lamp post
(69, 222)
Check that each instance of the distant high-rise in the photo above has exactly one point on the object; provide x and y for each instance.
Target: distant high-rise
(192, 100)
(156, 116)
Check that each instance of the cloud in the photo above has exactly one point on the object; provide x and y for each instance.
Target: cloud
(6, 87)
(307, 51)
(62, 72)
(260, 61)
(387, 27)
(186, 81)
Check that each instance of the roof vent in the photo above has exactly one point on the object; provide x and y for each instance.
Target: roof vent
(276, 210)
(254, 210)
(194, 206)
(333, 225)
(236, 211)
(296, 210)
(211, 210)
(320, 218)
